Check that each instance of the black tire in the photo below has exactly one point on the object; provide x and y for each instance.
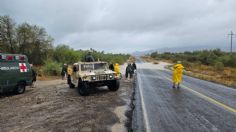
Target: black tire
(114, 85)
(20, 88)
(83, 89)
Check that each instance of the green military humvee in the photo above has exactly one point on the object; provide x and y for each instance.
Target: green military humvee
(15, 73)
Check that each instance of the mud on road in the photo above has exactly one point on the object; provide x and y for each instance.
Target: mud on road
(52, 106)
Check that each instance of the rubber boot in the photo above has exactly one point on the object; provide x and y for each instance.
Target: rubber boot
(173, 85)
(178, 86)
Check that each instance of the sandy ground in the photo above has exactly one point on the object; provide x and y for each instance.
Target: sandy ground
(52, 106)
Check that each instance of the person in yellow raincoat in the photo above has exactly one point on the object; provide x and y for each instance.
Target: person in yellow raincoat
(69, 70)
(75, 69)
(117, 69)
(177, 74)
(69, 74)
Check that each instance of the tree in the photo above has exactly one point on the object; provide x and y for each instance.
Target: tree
(41, 44)
(7, 37)
(34, 42)
(23, 38)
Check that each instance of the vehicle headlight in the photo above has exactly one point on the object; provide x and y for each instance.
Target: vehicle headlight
(110, 76)
(93, 77)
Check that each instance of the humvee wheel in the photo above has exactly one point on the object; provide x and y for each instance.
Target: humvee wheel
(83, 89)
(114, 85)
(20, 89)
(71, 85)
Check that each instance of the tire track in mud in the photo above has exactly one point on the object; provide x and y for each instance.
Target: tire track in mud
(52, 106)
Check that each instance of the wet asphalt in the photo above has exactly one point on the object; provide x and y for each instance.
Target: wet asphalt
(160, 108)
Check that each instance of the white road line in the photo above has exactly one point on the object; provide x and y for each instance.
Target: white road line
(146, 121)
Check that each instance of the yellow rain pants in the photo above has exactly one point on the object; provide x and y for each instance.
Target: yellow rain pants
(117, 69)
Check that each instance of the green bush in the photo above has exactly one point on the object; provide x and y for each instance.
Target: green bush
(186, 64)
(206, 57)
(51, 68)
(65, 54)
(154, 54)
(219, 66)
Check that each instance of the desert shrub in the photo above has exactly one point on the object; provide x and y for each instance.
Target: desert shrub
(232, 61)
(219, 66)
(187, 65)
(65, 54)
(154, 54)
(206, 57)
(228, 60)
(51, 68)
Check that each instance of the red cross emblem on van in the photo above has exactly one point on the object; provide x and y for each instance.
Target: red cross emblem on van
(23, 67)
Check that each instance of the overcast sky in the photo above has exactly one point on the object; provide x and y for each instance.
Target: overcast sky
(129, 25)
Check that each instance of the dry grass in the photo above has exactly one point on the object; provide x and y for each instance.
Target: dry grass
(226, 77)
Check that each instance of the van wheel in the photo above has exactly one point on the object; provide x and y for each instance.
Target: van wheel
(20, 89)
(83, 89)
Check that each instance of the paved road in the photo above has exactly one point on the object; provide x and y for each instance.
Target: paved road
(197, 106)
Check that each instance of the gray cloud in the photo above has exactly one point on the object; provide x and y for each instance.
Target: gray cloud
(129, 25)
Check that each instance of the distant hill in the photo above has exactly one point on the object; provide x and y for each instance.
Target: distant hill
(179, 49)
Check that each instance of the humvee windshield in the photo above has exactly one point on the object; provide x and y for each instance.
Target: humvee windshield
(97, 66)
(100, 66)
(86, 67)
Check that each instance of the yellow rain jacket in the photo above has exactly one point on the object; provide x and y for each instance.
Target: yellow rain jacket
(69, 70)
(117, 69)
(177, 73)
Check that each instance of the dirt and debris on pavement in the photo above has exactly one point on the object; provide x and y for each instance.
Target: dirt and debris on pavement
(52, 106)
